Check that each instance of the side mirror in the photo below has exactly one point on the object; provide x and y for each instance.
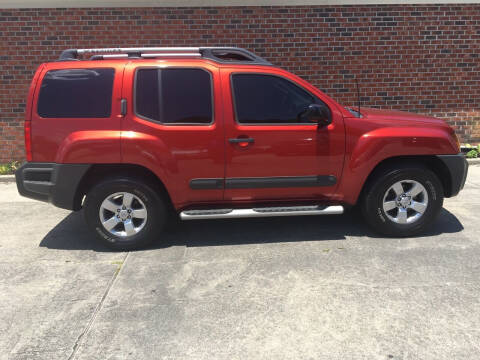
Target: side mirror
(318, 113)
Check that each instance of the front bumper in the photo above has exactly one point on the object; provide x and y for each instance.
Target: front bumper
(50, 182)
(457, 167)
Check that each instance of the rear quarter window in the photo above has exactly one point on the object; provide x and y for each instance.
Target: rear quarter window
(76, 93)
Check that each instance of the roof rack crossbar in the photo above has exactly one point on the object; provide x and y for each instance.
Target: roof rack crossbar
(171, 55)
(144, 56)
(135, 50)
(218, 54)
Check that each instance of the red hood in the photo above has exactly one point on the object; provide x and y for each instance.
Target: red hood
(399, 116)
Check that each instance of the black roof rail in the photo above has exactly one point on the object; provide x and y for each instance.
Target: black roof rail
(232, 55)
(225, 55)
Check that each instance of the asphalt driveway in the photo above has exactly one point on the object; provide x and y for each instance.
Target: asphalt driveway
(281, 288)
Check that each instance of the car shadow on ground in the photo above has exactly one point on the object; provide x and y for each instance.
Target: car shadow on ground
(72, 234)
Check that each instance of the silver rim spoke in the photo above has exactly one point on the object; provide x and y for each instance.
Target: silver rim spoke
(398, 188)
(128, 210)
(127, 200)
(110, 223)
(402, 216)
(139, 214)
(110, 205)
(129, 227)
(389, 205)
(417, 189)
(418, 207)
(405, 207)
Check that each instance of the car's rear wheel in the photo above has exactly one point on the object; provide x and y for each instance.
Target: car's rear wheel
(125, 213)
(402, 200)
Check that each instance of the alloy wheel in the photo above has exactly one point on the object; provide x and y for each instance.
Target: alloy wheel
(405, 202)
(123, 214)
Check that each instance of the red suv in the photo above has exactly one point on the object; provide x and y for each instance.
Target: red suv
(134, 135)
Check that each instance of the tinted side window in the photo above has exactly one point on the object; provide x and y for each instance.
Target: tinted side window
(268, 99)
(187, 96)
(174, 96)
(147, 95)
(76, 93)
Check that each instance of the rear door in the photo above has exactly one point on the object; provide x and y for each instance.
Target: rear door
(271, 152)
(174, 127)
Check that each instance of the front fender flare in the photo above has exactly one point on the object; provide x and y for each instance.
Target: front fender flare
(378, 145)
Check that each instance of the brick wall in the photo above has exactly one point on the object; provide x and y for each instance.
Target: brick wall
(417, 58)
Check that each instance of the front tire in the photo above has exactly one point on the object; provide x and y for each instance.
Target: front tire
(402, 200)
(125, 213)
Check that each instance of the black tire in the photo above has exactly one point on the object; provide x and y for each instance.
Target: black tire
(154, 204)
(373, 197)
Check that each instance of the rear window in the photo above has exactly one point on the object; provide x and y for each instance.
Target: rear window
(174, 96)
(76, 93)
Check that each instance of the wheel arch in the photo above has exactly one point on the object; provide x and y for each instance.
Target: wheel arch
(431, 162)
(98, 172)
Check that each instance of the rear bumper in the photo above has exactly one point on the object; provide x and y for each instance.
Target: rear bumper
(457, 167)
(50, 182)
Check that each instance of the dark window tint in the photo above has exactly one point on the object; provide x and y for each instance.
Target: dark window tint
(76, 93)
(187, 96)
(147, 94)
(268, 99)
(174, 95)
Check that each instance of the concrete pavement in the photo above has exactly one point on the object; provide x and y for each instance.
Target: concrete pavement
(284, 288)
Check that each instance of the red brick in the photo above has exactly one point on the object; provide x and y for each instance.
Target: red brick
(416, 58)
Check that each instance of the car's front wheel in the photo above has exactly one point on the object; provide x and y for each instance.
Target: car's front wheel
(402, 200)
(125, 213)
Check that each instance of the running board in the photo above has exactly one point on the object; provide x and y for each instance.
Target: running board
(261, 212)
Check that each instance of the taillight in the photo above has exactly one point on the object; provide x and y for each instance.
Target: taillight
(457, 141)
(455, 137)
(28, 140)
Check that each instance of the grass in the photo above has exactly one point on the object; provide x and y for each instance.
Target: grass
(473, 152)
(9, 168)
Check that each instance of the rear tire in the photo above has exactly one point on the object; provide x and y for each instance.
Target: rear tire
(402, 200)
(125, 213)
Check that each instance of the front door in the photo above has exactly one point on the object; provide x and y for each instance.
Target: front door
(272, 152)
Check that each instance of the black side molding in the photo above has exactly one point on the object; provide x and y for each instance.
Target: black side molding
(263, 182)
(206, 184)
(280, 182)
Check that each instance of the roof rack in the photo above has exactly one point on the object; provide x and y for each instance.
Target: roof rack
(218, 54)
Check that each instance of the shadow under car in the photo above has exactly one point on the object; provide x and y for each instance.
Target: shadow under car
(72, 232)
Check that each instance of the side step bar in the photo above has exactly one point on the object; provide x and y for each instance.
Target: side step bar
(261, 212)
